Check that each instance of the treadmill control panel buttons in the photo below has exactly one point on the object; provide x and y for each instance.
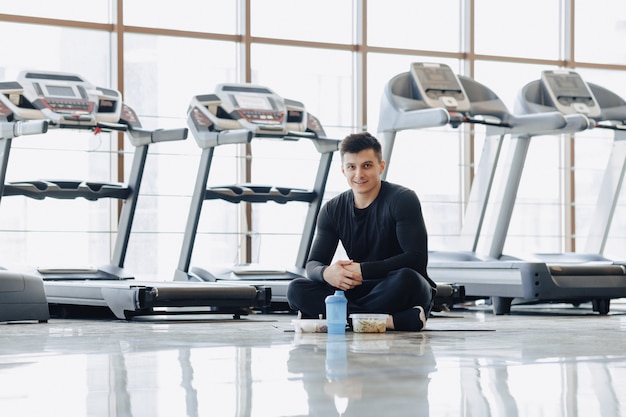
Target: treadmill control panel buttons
(63, 106)
(262, 117)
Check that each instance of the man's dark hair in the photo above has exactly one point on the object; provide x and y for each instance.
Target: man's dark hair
(358, 142)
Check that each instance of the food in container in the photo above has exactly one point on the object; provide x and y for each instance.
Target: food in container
(369, 323)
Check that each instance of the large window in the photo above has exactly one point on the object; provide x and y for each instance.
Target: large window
(212, 16)
(320, 21)
(98, 11)
(595, 42)
(336, 58)
(411, 24)
(528, 29)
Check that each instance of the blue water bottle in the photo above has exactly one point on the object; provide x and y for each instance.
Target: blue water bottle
(336, 312)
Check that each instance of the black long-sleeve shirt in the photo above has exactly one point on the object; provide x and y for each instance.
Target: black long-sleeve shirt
(387, 235)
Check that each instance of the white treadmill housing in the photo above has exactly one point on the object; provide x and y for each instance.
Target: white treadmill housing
(22, 298)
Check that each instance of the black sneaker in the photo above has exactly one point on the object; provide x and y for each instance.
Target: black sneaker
(413, 319)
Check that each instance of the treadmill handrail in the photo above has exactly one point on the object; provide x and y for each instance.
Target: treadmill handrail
(210, 139)
(546, 123)
(418, 119)
(9, 130)
(139, 137)
(423, 118)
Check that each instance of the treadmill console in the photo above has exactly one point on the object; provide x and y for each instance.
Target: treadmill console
(569, 93)
(246, 106)
(65, 99)
(439, 86)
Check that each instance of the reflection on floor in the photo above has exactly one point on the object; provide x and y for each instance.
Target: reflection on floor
(552, 361)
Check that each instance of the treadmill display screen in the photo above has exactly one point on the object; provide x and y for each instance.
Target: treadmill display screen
(253, 101)
(568, 93)
(437, 78)
(567, 85)
(60, 91)
(439, 86)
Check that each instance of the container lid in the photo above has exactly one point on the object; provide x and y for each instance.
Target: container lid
(369, 316)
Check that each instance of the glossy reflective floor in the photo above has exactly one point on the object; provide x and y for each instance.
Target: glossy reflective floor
(539, 361)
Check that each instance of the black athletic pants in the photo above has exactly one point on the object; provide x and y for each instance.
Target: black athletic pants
(400, 290)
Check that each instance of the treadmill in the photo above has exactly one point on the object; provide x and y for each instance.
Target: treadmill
(565, 91)
(237, 114)
(55, 100)
(430, 95)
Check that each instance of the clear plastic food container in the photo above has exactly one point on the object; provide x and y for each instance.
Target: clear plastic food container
(369, 323)
(310, 326)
